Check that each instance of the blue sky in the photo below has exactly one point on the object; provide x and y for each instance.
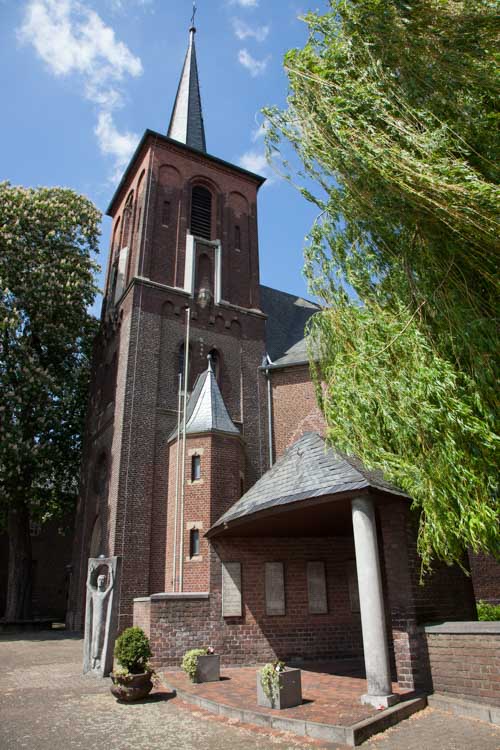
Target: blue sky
(82, 80)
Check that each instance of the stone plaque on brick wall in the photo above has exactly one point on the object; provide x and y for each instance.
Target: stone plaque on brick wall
(275, 589)
(231, 589)
(316, 588)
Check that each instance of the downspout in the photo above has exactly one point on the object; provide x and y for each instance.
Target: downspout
(269, 412)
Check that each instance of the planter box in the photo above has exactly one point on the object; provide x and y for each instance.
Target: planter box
(289, 693)
(208, 668)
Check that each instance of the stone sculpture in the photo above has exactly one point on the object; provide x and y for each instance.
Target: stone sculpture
(100, 625)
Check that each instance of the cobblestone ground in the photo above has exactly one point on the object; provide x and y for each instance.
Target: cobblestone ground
(46, 704)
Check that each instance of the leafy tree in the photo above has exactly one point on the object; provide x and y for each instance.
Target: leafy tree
(391, 111)
(47, 239)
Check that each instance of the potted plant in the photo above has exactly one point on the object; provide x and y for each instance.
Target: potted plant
(132, 680)
(202, 664)
(278, 686)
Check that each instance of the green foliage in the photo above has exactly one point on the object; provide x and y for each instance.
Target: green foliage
(47, 238)
(132, 650)
(270, 679)
(391, 110)
(190, 661)
(487, 611)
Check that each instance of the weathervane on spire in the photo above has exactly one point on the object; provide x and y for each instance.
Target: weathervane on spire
(192, 18)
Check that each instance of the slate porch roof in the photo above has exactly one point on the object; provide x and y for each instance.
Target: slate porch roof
(308, 469)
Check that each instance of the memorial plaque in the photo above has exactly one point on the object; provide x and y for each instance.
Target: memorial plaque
(316, 588)
(275, 589)
(353, 588)
(231, 589)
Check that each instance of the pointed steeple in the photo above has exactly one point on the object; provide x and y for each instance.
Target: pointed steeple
(186, 123)
(206, 410)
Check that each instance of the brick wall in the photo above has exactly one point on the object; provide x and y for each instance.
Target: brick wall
(465, 660)
(295, 410)
(177, 625)
(485, 572)
(446, 593)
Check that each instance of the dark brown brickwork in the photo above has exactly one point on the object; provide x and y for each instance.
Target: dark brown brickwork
(445, 594)
(133, 406)
(485, 572)
(466, 665)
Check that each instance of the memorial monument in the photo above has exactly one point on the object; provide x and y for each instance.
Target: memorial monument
(100, 615)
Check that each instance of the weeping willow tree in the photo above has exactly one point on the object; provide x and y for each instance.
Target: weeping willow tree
(392, 112)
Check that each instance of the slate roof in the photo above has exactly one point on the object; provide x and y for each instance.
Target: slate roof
(186, 123)
(308, 469)
(287, 317)
(206, 410)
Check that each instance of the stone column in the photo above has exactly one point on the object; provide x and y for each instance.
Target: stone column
(371, 601)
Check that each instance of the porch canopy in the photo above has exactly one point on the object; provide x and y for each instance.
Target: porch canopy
(313, 490)
(307, 483)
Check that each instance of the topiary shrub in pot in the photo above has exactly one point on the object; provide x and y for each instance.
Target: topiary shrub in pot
(132, 680)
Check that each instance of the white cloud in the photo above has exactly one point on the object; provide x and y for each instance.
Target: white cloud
(72, 39)
(120, 146)
(243, 31)
(255, 67)
(245, 3)
(255, 161)
(260, 131)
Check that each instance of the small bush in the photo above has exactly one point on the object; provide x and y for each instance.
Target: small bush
(190, 661)
(487, 611)
(132, 650)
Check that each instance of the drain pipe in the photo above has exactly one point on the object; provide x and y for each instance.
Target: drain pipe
(268, 362)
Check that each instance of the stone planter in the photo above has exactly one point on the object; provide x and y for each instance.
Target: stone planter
(208, 668)
(131, 687)
(288, 695)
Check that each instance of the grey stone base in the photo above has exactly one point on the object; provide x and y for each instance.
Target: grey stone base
(208, 668)
(288, 695)
(468, 709)
(380, 700)
(352, 735)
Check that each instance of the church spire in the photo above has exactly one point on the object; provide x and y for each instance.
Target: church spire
(186, 123)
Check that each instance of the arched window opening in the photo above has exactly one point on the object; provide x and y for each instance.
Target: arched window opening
(237, 238)
(201, 212)
(127, 220)
(181, 360)
(194, 543)
(195, 468)
(215, 362)
(165, 213)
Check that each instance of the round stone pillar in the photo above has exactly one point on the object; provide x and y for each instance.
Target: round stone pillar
(371, 602)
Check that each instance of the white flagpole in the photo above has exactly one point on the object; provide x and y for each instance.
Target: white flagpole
(183, 469)
(177, 460)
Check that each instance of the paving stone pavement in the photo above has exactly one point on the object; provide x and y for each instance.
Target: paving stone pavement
(46, 704)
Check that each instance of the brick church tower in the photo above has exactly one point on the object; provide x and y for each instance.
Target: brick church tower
(184, 237)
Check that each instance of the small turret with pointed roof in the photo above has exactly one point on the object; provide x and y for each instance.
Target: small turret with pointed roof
(186, 123)
(206, 410)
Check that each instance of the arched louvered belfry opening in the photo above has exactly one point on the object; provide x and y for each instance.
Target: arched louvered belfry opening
(201, 212)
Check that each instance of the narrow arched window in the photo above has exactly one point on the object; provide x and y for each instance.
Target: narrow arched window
(195, 468)
(127, 221)
(201, 212)
(194, 543)
(215, 362)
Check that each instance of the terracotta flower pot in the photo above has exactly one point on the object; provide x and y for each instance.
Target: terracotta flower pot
(131, 687)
